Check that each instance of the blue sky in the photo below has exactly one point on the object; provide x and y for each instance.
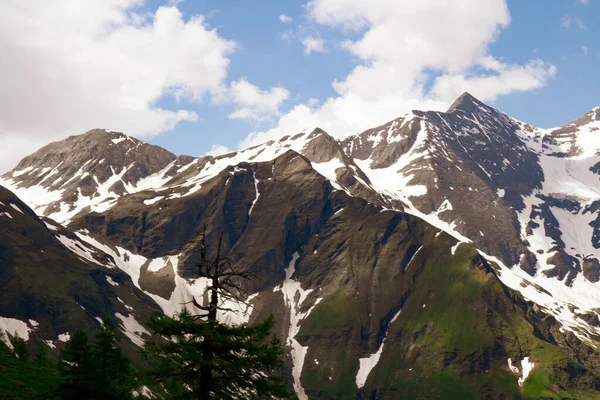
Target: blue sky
(267, 58)
(537, 29)
(539, 26)
(188, 75)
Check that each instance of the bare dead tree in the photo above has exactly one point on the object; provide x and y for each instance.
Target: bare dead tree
(226, 281)
(206, 359)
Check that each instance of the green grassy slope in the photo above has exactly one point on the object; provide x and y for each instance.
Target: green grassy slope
(25, 381)
(452, 339)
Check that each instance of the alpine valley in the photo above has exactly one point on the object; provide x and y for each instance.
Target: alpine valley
(442, 255)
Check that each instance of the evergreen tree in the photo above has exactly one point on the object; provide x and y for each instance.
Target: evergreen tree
(3, 341)
(20, 348)
(41, 356)
(23, 380)
(76, 365)
(113, 377)
(100, 371)
(200, 358)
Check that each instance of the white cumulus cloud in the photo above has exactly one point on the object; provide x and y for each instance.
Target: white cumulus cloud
(413, 54)
(253, 103)
(312, 44)
(217, 150)
(285, 19)
(312, 102)
(505, 79)
(72, 65)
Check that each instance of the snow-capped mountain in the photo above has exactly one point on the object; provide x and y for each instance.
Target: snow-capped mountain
(464, 240)
(90, 170)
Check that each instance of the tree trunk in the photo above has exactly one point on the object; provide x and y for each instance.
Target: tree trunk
(207, 353)
(206, 371)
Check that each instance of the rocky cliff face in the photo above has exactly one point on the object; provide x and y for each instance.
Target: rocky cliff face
(466, 167)
(53, 284)
(440, 255)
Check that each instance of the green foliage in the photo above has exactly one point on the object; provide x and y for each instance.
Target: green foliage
(201, 358)
(243, 359)
(192, 357)
(85, 371)
(41, 356)
(113, 370)
(99, 371)
(75, 365)
(20, 379)
(20, 348)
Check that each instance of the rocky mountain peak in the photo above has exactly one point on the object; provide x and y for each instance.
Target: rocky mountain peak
(467, 104)
(84, 170)
(593, 114)
(588, 118)
(577, 137)
(317, 132)
(99, 134)
(94, 152)
(322, 147)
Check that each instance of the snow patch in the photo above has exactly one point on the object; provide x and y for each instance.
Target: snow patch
(79, 249)
(131, 264)
(445, 206)
(257, 194)
(128, 307)
(22, 172)
(50, 226)
(149, 202)
(159, 263)
(453, 249)
(118, 140)
(512, 367)
(17, 208)
(557, 300)
(132, 328)
(527, 367)
(12, 326)
(110, 280)
(327, 169)
(412, 258)
(294, 296)
(368, 363)
(64, 337)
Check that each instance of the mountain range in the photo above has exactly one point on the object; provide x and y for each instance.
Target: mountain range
(441, 255)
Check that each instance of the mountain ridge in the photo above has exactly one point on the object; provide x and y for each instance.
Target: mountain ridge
(473, 178)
